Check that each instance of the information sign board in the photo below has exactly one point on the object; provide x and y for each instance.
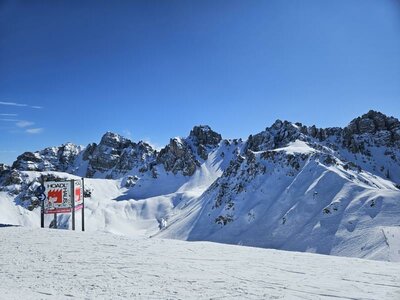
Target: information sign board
(58, 197)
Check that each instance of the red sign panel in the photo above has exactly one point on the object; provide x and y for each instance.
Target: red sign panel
(55, 196)
(78, 194)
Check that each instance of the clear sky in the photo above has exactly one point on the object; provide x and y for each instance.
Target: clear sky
(151, 70)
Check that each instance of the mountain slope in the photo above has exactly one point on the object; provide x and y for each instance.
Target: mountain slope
(305, 189)
(317, 208)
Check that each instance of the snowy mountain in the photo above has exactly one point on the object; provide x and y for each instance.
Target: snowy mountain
(54, 264)
(293, 187)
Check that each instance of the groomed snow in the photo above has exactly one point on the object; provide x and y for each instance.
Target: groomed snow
(60, 264)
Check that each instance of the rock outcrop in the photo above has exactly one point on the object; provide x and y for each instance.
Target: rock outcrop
(204, 140)
(185, 155)
(177, 156)
(116, 155)
(50, 159)
(371, 128)
(279, 134)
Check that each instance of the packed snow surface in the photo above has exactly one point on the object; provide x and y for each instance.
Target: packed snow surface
(60, 264)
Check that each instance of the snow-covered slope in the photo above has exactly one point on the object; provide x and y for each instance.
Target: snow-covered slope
(293, 187)
(55, 264)
(317, 208)
(114, 206)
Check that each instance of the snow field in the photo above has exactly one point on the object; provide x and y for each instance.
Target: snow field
(60, 264)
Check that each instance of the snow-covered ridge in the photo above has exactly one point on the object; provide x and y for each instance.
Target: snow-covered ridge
(116, 156)
(331, 191)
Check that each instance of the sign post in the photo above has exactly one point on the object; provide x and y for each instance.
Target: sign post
(42, 215)
(55, 220)
(73, 203)
(83, 204)
(41, 196)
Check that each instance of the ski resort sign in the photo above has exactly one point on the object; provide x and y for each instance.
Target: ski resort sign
(62, 196)
(65, 196)
(58, 197)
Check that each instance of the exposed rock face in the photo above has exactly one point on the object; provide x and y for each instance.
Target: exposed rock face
(27, 161)
(177, 157)
(88, 153)
(279, 134)
(371, 128)
(140, 155)
(204, 139)
(180, 154)
(11, 177)
(373, 122)
(66, 155)
(204, 135)
(107, 154)
(49, 159)
(114, 140)
(119, 155)
(114, 155)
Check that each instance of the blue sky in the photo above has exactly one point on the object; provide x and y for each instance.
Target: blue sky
(151, 70)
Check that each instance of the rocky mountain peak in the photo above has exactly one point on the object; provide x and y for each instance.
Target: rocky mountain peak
(373, 122)
(203, 139)
(278, 124)
(204, 135)
(114, 140)
(115, 155)
(372, 127)
(177, 157)
(49, 159)
(279, 134)
(143, 146)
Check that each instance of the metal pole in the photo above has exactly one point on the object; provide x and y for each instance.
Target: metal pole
(42, 215)
(42, 206)
(83, 204)
(73, 203)
(55, 221)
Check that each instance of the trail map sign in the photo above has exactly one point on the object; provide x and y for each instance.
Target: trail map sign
(58, 197)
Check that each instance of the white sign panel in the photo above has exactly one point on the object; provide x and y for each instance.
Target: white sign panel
(58, 197)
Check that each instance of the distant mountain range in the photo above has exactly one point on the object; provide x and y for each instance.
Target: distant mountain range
(331, 191)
